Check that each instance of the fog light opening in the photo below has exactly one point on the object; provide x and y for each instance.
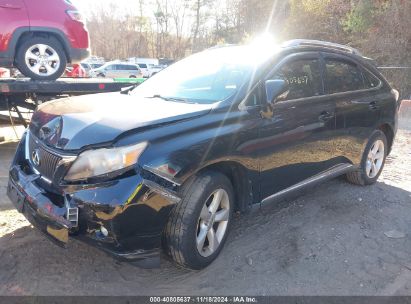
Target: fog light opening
(104, 231)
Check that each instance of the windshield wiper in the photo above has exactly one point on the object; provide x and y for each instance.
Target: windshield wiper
(169, 98)
(127, 90)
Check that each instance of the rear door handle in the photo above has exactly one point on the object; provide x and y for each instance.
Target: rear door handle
(325, 116)
(373, 105)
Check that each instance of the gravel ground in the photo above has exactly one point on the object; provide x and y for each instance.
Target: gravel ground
(336, 239)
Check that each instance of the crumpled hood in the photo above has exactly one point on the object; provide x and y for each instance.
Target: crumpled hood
(75, 122)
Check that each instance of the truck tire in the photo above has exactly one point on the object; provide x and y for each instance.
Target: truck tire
(41, 58)
(198, 225)
(372, 162)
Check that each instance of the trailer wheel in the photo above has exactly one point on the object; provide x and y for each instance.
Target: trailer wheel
(41, 58)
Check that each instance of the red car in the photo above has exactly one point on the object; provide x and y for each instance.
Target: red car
(40, 37)
(75, 71)
(4, 73)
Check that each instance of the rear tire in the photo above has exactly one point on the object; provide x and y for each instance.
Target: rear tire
(41, 58)
(372, 163)
(194, 235)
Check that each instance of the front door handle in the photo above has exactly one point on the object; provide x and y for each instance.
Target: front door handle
(373, 106)
(325, 116)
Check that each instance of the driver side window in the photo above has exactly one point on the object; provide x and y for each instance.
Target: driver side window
(303, 77)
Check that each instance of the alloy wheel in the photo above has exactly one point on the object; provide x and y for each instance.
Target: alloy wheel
(212, 223)
(42, 59)
(375, 159)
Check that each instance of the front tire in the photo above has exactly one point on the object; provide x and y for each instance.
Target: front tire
(41, 59)
(198, 226)
(372, 161)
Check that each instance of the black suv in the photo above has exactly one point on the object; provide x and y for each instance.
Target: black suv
(167, 163)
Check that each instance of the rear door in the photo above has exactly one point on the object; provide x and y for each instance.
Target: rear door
(133, 70)
(296, 139)
(13, 15)
(357, 96)
(124, 71)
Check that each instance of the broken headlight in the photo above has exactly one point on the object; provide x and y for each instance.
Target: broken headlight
(94, 163)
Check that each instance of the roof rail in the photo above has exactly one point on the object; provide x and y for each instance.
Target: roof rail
(318, 43)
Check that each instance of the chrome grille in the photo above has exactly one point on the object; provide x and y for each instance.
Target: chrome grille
(48, 160)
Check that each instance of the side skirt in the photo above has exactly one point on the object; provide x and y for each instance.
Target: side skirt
(309, 182)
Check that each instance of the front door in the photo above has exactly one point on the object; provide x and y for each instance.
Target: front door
(296, 137)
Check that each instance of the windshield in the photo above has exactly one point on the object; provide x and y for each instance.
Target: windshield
(206, 77)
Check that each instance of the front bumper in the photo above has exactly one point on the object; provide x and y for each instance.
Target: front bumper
(37, 208)
(123, 217)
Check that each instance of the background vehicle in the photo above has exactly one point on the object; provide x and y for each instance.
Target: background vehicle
(155, 69)
(217, 132)
(87, 67)
(144, 69)
(40, 43)
(117, 70)
(146, 64)
(95, 65)
(4, 73)
(76, 71)
(148, 61)
(93, 62)
(90, 66)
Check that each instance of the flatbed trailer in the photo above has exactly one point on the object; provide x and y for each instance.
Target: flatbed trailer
(28, 94)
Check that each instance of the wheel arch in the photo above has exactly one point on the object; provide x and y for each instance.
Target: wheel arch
(238, 176)
(389, 134)
(43, 32)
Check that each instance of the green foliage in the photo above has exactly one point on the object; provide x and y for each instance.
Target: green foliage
(318, 7)
(360, 18)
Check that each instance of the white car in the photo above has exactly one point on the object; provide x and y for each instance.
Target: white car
(145, 70)
(155, 69)
(117, 70)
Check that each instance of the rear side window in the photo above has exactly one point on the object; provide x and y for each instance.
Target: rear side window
(342, 76)
(142, 65)
(370, 80)
(303, 77)
(129, 68)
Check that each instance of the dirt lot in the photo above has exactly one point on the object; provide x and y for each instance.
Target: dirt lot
(337, 239)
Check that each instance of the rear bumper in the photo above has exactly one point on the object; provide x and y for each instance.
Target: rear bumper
(5, 60)
(124, 218)
(78, 55)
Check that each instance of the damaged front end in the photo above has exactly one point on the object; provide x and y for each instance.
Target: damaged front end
(122, 215)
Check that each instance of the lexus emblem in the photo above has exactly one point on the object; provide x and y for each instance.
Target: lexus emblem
(35, 157)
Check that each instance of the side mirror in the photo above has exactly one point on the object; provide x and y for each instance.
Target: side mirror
(274, 88)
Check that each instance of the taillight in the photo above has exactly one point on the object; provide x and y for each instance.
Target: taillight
(75, 15)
